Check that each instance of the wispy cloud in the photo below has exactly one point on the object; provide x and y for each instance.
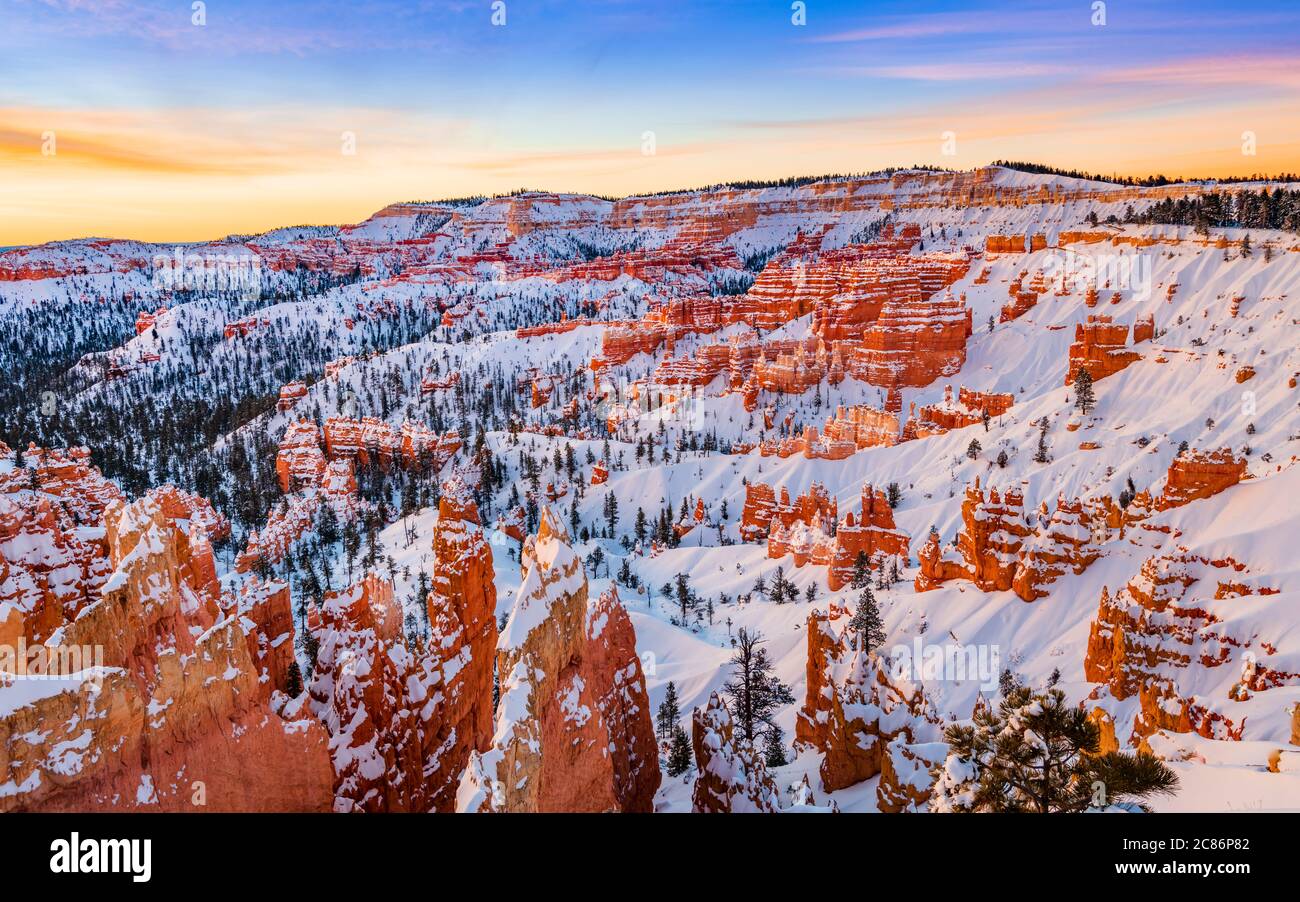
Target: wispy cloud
(956, 71)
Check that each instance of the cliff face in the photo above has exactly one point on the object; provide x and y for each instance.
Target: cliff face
(912, 343)
(181, 705)
(360, 690)
(370, 440)
(573, 729)
(403, 719)
(462, 618)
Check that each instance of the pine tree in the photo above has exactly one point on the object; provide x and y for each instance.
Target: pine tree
(669, 712)
(893, 494)
(1084, 398)
(773, 748)
(973, 449)
(866, 622)
(755, 692)
(679, 753)
(1038, 753)
(1041, 455)
(861, 571)
(293, 683)
(685, 597)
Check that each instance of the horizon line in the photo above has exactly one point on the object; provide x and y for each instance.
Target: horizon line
(744, 184)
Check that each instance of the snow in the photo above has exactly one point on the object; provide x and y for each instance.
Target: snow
(1142, 416)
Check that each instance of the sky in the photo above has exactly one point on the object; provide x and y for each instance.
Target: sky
(167, 120)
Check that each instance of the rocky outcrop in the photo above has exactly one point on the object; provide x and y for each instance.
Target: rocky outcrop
(756, 516)
(368, 690)
(1172, 624)
(730, 775)
(412, 445)
(290, 394)
(857, 427)
(404, 716)
(994, 532)
(183, 707)
(1099, 347)
(463, 639)
(857, 716)
(969, 409)
(1063, 543)
(871, 533)
(913, 343)
(999, 548)
(618, 686)
(299, 463)
(573, 729)
(810, 529)
(1194, 475)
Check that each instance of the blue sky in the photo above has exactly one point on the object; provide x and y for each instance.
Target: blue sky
(242, 116)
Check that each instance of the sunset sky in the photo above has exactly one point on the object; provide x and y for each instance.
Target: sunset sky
(167, 130)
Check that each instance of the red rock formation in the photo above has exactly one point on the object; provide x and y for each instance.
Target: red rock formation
(1173, 618)
(412, 445)
(756, 517)
(1004, 244)
(1021, 301)
(296, 514)
(573, 730)
(291, 394)
(854, 713)
(242, 328)
(912, 344)
(618, 686)
(367, 689)
(1065, 542)
(599, 473)
(179, 714)
(798, 369)
(994, 532)
(462, 618)
(144, 320)
(541, 388)
(623, 341)
(937, 565)
(998, 551)
(872, 533)
(1144, 329)
(513, 523)
(826, 648)
(730, 774)
(49, 568)
(971, 406)
(67, 475)
(299, 462)
(1194, 475)
(860, 426)
(1099, 347)
(432, 382)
